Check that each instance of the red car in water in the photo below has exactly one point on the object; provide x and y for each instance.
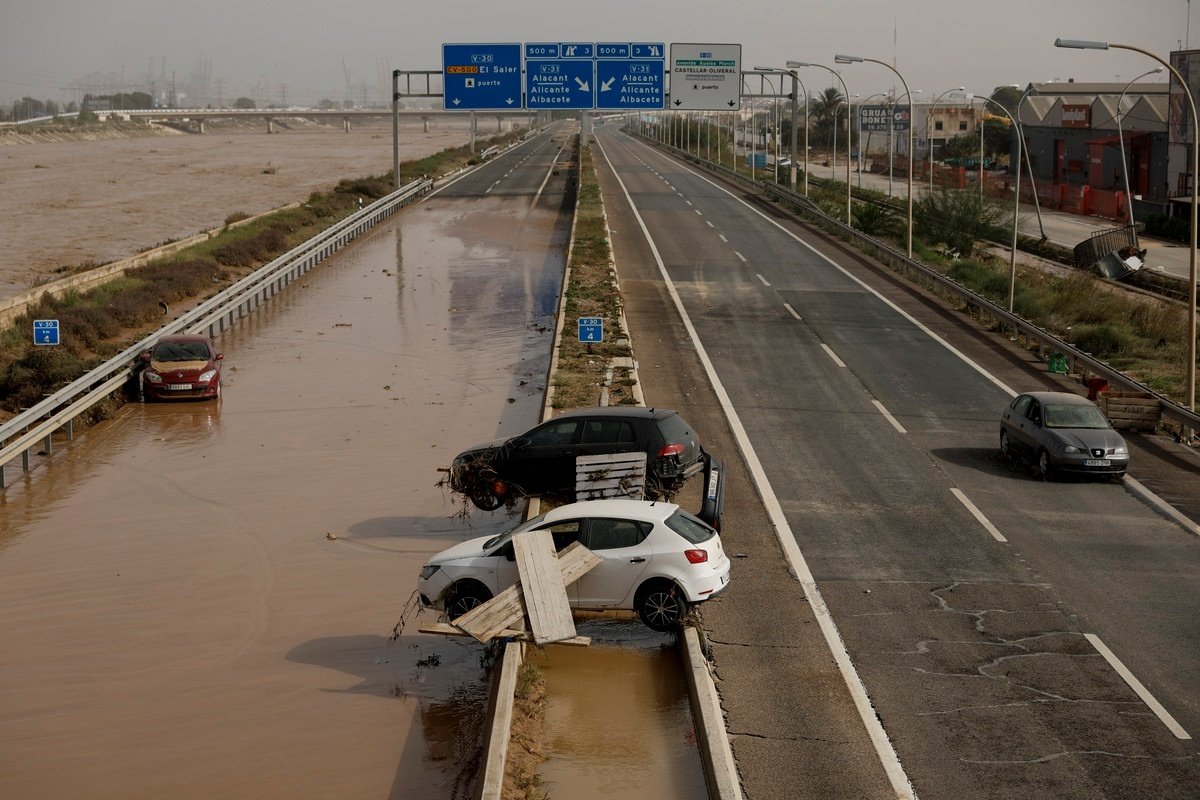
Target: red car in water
(182, 366)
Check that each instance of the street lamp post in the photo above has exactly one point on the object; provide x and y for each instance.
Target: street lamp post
(1012, 256)
(845, 59)
(792, 136)
(929, 128)
(1037, 203)
(1121, 139)
(1191, 365)
(845, 94)
(860, 145)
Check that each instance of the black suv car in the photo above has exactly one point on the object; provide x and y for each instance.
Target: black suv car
(541, 461)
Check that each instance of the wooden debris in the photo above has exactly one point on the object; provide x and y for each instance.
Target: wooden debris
(610, 475)
(1131, 410)
(542, 585)
(446, 629)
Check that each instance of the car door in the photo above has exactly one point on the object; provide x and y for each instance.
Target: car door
(624, 556)
(1014, 421)
(545, 460)
(504, 563)
(1031, 427)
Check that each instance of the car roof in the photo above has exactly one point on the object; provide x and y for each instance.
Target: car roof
(1066, 398)
(182, 337)
(619, 411)
(623, 508)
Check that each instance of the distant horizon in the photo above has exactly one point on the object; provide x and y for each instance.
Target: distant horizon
(275, 54)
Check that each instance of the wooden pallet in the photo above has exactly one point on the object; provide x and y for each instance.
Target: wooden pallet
(1131, 410)
(611, 475)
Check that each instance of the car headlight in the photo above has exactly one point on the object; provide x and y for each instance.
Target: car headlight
(428, 571)
(153, 377)
(1121, 451)
(205, 377)
(1070, 448)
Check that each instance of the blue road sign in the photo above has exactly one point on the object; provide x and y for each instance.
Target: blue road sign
(481, 77)
(560, 82)
(577, 50)
(45, 331)
(630, 83)
(648, 50)
(591, 329)
(539, 50)
(612, 50)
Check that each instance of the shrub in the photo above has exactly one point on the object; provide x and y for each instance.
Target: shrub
(1164, 227)
(958, 218)
(1101, 340)
(873, 220)
(236, 216)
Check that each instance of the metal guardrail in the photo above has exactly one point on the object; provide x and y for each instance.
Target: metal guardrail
(1077, 359)
(37, 425)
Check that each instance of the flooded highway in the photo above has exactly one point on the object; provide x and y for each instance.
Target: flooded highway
(199, 597)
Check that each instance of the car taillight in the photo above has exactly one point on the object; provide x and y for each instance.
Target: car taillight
(696, 556)
(670, 450)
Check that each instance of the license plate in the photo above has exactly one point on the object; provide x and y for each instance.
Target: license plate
(179, 387)
(1098, 462)
(724, 578)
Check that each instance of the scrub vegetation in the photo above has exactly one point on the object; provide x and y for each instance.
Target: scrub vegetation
(99, 323)
(527, 739)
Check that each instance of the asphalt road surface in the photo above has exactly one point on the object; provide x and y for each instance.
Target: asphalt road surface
(977, 605)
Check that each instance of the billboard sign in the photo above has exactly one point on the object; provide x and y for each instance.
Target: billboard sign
(875, 118)
(1077, 115)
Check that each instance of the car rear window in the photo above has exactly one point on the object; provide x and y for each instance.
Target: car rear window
(690, 527)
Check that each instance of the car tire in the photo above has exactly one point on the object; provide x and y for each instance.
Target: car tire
(1005, 445)
(661, 606)
(465, 596)
(485, 500)
(1045, 470)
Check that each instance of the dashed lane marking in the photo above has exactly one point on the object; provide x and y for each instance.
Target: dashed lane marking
(1140, 690)
(764, 281)
(829, 352)
(975, 512)
(887, 415)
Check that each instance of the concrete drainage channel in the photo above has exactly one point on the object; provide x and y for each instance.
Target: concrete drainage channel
(650, 752)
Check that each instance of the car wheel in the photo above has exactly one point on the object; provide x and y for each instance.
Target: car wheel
(1005, 445)
(466, 596)
(485, 499)
(661, 606)
(1045, 470)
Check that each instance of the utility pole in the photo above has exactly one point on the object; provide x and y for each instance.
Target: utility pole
(283, 94)
(220, 92)
(173, 95)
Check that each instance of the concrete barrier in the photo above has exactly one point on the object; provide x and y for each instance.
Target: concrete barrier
(720, 771)
(500, 712)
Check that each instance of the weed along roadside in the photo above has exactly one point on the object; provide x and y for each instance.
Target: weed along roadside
(99, 322)
(636, 711)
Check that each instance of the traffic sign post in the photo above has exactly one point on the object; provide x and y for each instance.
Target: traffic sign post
(481, 77)
(591, 329)
(561, 82)
(45, 332)
(706, 77)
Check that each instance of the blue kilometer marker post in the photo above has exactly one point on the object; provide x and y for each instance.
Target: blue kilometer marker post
(45, 332)
(591, 329)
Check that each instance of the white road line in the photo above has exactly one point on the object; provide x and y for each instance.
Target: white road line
(1162, 505)
(721, 236)
(887, 415)
(764, 280)
(739, 255)
(901, 785)
(984, 521)
(792, 311)
(829, 351)
(699, 213)
(709, 224)
(1138, 688)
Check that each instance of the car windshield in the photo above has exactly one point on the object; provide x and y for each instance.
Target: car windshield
(181, 351)
(689, 527)
(504, 537)
(1074, 416)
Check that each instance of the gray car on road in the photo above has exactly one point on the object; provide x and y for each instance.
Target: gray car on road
(1062, 432)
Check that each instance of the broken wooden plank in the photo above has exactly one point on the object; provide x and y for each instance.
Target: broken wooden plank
(610, 475)
(446, 629)
(487, 620)
(545, 595)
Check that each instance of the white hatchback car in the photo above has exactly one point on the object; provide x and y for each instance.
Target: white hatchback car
(657, 559)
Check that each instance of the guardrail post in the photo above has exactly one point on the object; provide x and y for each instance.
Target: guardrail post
(3, 483)
(49, 445)
(70, 430)
(25, 460)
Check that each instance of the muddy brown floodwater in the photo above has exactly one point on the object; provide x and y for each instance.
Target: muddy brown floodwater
(197, 598)
(67, 203)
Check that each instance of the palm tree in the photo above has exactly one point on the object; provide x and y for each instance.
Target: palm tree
(825, 108)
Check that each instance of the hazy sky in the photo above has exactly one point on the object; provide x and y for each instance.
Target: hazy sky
(48, 44)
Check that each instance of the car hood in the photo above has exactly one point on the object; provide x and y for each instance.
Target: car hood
(185, 367)
(472, 548)
(1088, 438)
(478, 448)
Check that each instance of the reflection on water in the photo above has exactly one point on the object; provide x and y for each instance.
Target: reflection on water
(180, 424)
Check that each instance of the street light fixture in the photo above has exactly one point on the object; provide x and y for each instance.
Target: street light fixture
(846, 94)
(1012, 257)
(1121, 139)
(796, 82)
(842, 58)
(860, 144)
(1083, 44)
(929, 125)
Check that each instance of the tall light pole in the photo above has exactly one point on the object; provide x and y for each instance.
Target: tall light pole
(929, 127)
(792, 144)
(1037, 203)
(845, 59)
(1012, 256)
(845, 94)
(1077, 44)
(860, 146)
(1121, 139)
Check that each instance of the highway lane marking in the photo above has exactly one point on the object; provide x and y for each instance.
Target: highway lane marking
(549, 172)
(764, 280)
(709, 224)
(792, 311)
(901, 786)
(829, 352)
(739, 255)
(1161, 505)
(1140, 690)
(721, 236)
(689, 202)
(699, 212)
(924, 328)
(975, 512)
(478, 167)
(888, 416)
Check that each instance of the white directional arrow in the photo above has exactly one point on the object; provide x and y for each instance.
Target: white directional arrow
(509, 101)
(583, 85)
(606, 85)
(456, 101)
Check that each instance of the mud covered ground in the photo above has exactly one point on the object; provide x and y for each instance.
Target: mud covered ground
(68, 203)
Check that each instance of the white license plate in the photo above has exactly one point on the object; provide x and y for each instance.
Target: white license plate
(724, 578)
(1098, 462)
(179, 387)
